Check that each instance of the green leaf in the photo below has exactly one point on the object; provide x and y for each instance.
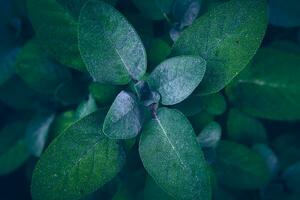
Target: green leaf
(266, 89)
(56, 30)
(284, 13)
(240, 167)
(110, 47)
(214, 104)
(37, 132)
(210, 136)
(245, 129)
(176, 78)
(291, 176)
(103, 94)
(77, 162)
(86, 108)
(13, 151)
(154, 9)
(227, 37)
(38, 71)
(124, 118)
(171, 155)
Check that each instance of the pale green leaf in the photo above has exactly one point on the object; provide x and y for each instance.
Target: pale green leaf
(124, 118)
(176, 78)
(171, 155)
(110, 47)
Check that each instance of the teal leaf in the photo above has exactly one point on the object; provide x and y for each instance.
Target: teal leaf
(287, 148)
(16, 94)
(239, 167)
(227, 37)
(77, 162)
(284, 13)
(269, 156)
(291, 176)
(154, 9)
(266, 89)
(210, 136)
(13, 151)
(185, 12)
(74, 6)
(38, 70)
(214, 104)
(56, 31)
(7, 65)
(124, 118)
(71, 92)
(37, 132)
(171, 155)
(110, 47)
(176, 78)
(245, 129)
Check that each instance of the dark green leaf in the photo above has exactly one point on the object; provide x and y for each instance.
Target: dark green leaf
(214, 104)
(267, 89)
(210, 136)
(56, 30)
(109, 45)
(245, 129)
(158, 51)
(13, 151)
(227, 37)
(77, 162)
(284, 13)
(176, 78)
(103, 94)
(38, 71)
(240, 167)
(171, 155)
(37, 132)
(154, 9)
(287, 148)
(124, 118)
(153, 191)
